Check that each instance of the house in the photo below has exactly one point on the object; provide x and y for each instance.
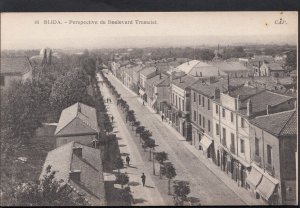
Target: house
(13, 69)
(146, 73)
(273, 141)
(128, 78)
(77, 122)
(180, 101)
(231, 126)
(199, 69)
(156, 90)
(202, 95)
(272, 69)
(80, 168)
(233, 68)
(115, 67)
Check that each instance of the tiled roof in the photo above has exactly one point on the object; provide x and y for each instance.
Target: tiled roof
(15, 65)
(87, 115)
(275, 66)
(148, 70)
(262, 99)
(62, 160)
(278, 124)
(156, 79)
(194, 67)
(165, 82)
(208, 89)
(232, 66)
(184, 81)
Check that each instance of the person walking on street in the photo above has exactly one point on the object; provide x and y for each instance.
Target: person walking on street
(143, 179)
(162, 117)
(143, 103)
(112, 118)
(107, 100)
(127, 160)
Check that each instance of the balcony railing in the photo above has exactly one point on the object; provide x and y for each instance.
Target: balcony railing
(257, 160)
(270, 169)
(232, 149)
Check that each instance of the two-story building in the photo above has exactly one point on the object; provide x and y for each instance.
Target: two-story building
(13, 69)
(273, 141)
(272, 69)
(146, 73)
(231, 114)
(180, 100)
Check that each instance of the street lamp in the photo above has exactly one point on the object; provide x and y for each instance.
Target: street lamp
(153, 153)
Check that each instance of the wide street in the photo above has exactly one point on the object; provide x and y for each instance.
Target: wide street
(204, 184)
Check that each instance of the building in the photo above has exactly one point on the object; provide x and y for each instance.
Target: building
(199, 69)
(202, 95)
(231, 126)
(272, 69)
(273, 141)
(14, 69)
(180, 100)
(146, 73)
(80, 168)
(128, 78)
(77, 123)
(233, 68)
(115, 67)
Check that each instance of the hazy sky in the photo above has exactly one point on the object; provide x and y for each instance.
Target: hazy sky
(19, 31)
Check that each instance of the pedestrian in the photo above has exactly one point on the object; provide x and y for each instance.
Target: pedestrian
(143, 103)
(110, 100)
(107, 100)
(127, 160)
(112, 119)
(143, 179)
(162, 117)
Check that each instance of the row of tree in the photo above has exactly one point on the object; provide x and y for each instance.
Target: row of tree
(167, 169)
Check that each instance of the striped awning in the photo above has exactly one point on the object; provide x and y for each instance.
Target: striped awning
(266, 188)
(205, 143)
(254, 177)
(141, 92)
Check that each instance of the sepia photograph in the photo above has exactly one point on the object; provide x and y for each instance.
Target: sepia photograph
(149, 108)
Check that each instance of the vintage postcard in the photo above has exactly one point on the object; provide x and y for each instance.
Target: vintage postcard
(137, 109)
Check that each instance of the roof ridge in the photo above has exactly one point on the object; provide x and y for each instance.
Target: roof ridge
(286, 123)
(55, 133)
(276, 113)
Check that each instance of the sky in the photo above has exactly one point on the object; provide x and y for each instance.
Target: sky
(20, 31)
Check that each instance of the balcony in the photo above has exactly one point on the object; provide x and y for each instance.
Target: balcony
(257, 160)
(232, 149)
(270, 169)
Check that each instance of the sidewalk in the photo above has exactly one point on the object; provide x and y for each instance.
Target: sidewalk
(243, 194)
(148, 195)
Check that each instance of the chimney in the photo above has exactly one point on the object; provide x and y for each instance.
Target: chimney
(180, 79)
(196, 74)
(156, 70)
(228, 84)
(258, 68)
(160, 75)
(249, 108)
(200, 74)
(268, 109)
(79, 108)
(75, 175)
(217, 93)
(77, 151)
(238, 102)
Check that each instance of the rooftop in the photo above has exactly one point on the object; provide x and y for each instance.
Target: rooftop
(198, 68)
(275, 66)
(230, 66)
(184, 81)
(63, 160)
(157, 79)
(148, 70)
(77, 114)
(278, 124)
(15, 65)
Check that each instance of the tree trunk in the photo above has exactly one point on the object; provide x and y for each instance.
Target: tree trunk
(150, 154)
(160, 171)
(169, 186)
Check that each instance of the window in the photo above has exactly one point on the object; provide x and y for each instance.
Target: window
(217, 129)
(231, 117)
(232, 139)
(242, 146)
(242, 122)
(179, 103)
(269, 154)
(183, 105)
(173, 97)
(195, 116)
(176, 101)
(203, 101)
(199, 100)
(194, 97)
(200, 119)
(217, 109)
(223, 112)
(224, 133)
(208, 104)
(208, 125)
(203, 122)
(256, 146)
(2, 81)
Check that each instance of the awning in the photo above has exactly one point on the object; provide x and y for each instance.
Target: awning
(153, 102)
(266, 188)
(205, 143)
(141, 92)
(109, 177)
(254, 177)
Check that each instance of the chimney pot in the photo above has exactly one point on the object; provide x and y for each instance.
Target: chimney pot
(249, 108)
(217, 93)
(75, 175)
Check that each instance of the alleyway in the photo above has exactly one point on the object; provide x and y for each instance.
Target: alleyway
(205, 185)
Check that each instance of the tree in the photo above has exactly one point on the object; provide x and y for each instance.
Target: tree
(119, 163)
(161, 157)
(122, 179)
(127, 196)
(291, 60)
(149, 143)
(169, 172)
(181, 190)
(137, 124)
(66, 91)
(47, 192)
(206, 54)
(139, 129)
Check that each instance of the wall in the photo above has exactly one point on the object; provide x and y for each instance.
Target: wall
(85, 140)
(9, 79)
